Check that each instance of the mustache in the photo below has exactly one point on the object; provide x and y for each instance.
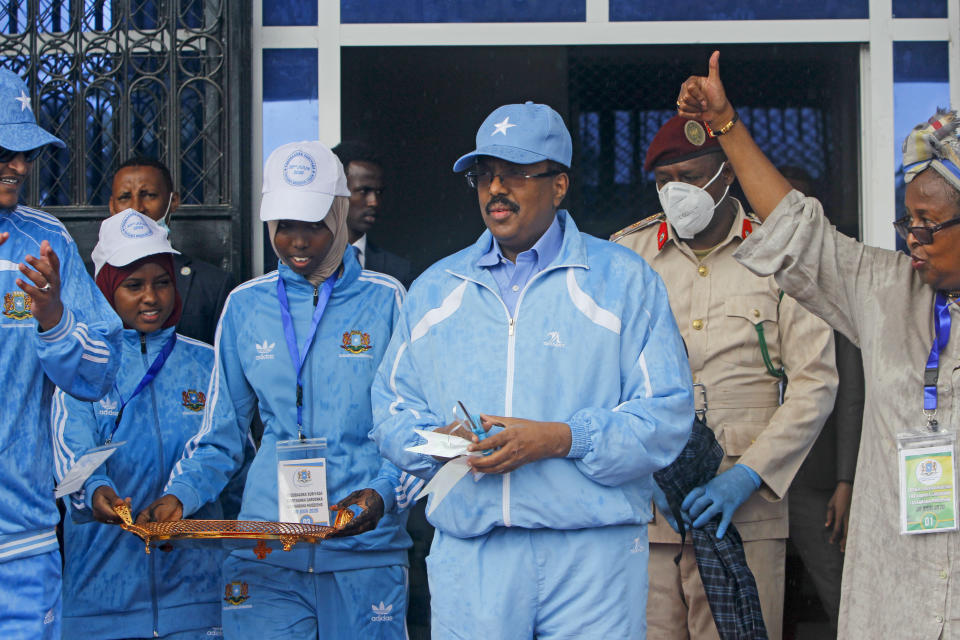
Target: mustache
(502, 200)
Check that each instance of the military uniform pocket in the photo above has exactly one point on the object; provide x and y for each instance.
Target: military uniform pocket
(736, 341)
(736, 438)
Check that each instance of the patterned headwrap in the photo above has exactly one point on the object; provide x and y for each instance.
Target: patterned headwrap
(934, 144)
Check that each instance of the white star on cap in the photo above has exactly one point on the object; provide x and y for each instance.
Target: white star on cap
(24, 101)
(501, 127)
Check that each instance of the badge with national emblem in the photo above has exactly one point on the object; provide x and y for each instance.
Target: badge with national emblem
(194, 400)
(17, 305)
(236, 593)
(356, 341)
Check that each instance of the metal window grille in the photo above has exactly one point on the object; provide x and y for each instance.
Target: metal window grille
(114, 79)
(619, 100)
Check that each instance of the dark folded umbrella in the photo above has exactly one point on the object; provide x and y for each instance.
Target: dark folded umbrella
(727, 580)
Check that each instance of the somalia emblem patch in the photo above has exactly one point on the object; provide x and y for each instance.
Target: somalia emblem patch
(17, 305)
(236, 593)
(194, 400)
(356, 341)
(302, 477)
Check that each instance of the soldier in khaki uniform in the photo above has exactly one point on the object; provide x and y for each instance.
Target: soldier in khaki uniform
(742, 336)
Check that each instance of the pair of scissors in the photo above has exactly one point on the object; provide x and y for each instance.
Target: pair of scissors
(475, 427)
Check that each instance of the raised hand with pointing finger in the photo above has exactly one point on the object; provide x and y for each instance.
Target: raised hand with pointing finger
(703, 98)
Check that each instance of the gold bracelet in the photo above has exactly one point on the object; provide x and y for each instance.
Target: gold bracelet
(725, 128)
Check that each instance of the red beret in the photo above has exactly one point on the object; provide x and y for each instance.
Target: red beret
(679, 139)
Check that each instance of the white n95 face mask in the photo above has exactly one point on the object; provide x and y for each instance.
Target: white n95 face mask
(689, 208)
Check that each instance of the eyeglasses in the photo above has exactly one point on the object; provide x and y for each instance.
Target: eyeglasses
(924, 235)
(6, 155)
(510, 179)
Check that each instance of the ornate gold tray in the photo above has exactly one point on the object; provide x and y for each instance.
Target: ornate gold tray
(288, 533)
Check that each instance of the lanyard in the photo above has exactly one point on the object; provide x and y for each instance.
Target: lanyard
(941, 319)
(291, 336)
(147, 378)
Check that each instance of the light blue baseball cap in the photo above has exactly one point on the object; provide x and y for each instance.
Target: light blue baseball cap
(521, 133)
(18, 124)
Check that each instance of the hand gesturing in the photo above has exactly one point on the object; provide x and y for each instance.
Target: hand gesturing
(703, 97)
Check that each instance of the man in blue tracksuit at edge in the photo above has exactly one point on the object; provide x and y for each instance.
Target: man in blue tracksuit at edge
(56, 328)
(571, 342)
(319, 307)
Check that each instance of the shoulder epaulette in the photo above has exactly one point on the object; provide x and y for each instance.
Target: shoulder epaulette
(636, 226)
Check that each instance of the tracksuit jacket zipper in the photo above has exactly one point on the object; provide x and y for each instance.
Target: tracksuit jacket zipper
(154, 596)
(511, 352)
(313, 553)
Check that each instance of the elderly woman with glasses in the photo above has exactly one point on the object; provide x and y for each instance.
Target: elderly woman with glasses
(902, 312)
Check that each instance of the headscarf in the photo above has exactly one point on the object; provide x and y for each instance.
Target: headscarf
(336, 221)
(110, 277)
(934, 144)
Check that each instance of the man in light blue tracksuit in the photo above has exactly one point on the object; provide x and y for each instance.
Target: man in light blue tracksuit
(111, 588)
(571, 341)
(345, 587)
(56, 328)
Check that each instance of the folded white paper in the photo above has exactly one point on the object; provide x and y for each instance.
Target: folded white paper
(444, 445)
(444, 480)
(83, 468)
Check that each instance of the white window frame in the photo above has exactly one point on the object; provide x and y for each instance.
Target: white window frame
(875, 35)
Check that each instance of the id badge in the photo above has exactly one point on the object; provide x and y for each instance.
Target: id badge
(302, 481)
(83, 468)
(928, 496)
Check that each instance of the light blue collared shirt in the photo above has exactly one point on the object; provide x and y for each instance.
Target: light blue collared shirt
(512, 278)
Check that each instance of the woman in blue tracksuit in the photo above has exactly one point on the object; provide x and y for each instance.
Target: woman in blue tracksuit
(111, 588)
(320, 308)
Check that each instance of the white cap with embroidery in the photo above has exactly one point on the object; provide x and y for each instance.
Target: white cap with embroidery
(128, 236)
(300, 181)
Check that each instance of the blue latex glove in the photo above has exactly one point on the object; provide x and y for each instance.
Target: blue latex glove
(723, 494)
(660, 499)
